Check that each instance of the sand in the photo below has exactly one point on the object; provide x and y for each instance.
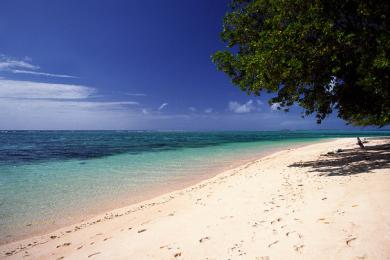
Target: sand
(300, 203)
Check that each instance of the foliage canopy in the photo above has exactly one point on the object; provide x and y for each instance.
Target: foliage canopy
(324, 55)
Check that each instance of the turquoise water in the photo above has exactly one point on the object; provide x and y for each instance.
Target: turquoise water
(53, 178)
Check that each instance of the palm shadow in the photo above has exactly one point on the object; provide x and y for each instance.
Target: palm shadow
(350, 161)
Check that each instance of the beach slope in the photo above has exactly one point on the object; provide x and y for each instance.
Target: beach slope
(301, 203)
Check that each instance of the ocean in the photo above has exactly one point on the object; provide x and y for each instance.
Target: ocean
(49, 179)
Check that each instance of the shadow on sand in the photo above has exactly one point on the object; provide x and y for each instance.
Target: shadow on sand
(351, 161)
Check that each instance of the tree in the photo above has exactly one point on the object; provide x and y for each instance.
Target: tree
(323, 55)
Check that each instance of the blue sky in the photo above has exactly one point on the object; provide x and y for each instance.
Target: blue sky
(124, 65)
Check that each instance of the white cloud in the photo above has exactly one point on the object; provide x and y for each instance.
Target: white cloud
(193, 109)
(247, 107)
(95, 104)
(145, 111)
(163, 105)
(66, 105)
(66, 114)
(275, 106)
(208, 110)
(9, 63)
(36, 105)
(25, 67)
(31, 105)
(29, 89)
(42, 74)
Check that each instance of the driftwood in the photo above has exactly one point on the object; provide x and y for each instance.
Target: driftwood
(360, 143)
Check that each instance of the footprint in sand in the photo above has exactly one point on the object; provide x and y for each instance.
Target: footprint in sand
(362, 257)
(203, 239)
(299, 235)
(323, 221)
(298, 248)
(277, 220)
(289, 233)
(64, 244)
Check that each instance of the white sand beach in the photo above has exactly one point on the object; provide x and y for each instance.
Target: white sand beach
(300, 203)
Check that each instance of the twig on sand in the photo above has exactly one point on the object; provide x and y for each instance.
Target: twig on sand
(273, 243)
(94, 254)
(350, 240)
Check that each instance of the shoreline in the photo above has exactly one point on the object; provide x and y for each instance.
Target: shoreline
(156, 190)
(114, 218)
